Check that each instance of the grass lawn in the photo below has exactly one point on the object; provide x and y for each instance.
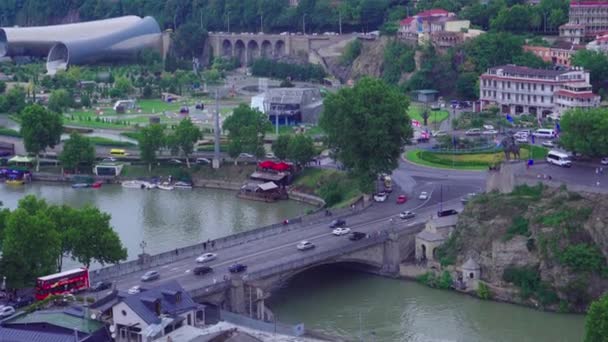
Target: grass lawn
(149, 106)
(471, 161)
(435, 116)
(317, 181)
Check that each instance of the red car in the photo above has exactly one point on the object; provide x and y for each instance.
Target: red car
(401, 199)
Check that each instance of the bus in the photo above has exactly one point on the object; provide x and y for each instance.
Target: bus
(118, 152)
(63, 282)
(388, 184)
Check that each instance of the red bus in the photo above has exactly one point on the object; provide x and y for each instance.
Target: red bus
(63, 282)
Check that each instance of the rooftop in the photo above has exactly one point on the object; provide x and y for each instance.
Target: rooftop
(293, 95)
(435, 12)
(72, 318)
(515, 70)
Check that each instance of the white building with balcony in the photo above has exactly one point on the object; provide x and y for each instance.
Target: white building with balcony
(522, 90)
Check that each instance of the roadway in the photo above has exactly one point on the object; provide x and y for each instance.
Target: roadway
(266, 253)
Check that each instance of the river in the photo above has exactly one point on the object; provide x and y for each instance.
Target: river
(163, 219)
(364, 307)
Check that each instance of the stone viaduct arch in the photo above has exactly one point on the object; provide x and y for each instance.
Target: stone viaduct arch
(248, 47)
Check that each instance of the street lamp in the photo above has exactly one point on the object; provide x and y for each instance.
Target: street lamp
(143, 246)
(304, 24)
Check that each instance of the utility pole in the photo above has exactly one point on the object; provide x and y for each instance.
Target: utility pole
(340, 21)
(262, 22)
(228, 14)
(304, 24)
(216, 149)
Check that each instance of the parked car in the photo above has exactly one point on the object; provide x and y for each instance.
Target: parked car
(423, 196)
(305, 245)
(405, 215)
(101, 285)
(604, 161)
(521, 139)
(184, 110)
(246, 155)
(490, 132)
(380, 197)
(175, 161)
(6, 311)
(439, 133)
(150, 275)
(447, 212)
(401, 199)
(488, 127)
(270, 155)
(108, 160)
(203, 161)
(135, 289)
(354, 236)
(206, 257)
(473, 131)
(201, 270)
(549, 144)
(527, 132)
(337, 223)
(340, 231)
(237, 268)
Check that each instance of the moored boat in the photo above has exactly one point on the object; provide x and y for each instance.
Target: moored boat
(15, 181)
(135, 184)
(96, 185)
(80, 185)
(166, 186)
(182, 185)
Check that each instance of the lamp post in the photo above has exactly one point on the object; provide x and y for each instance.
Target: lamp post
(143, 246)
(304, 24)
(228, 17)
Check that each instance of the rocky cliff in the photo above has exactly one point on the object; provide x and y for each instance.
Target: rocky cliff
(539, 246)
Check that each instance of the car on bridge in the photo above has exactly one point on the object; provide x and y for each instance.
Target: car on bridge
(341, 231)
(135, 289)
(401, 199)
(354, 236)
(6, 311)
(202, 270)
(206, 257)
(150, 275)
(237, 268)
(380, 197)
(305, 245)
(100, 286)
(405, 215)
(447, 212)
(423, 196)
(337, 223)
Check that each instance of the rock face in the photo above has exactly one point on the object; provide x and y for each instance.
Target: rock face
(547, 247)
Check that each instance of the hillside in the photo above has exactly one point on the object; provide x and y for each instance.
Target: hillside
(536, 246)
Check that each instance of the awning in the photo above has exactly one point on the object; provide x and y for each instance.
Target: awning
(268, 186)
(267, 164)
(282, 166)
(20, 159)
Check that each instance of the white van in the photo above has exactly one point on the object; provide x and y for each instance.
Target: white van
(558, 158)
(545, 133)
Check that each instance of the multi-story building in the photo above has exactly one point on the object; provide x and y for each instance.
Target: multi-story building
(437, 26)
(424, 22)
(560, 53)
(587, 18)
(522, 90)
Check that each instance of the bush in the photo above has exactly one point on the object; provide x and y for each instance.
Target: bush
(351, 52)
(331, 193)
(533, 192)
(445, 281)
(304, 72)
(526, 278)
(519, 226)
(483, 291)
(582, 258)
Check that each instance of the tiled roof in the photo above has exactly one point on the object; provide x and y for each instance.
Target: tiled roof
(586, 95)
(525, 71)
(575, 3)
(143, 303)
(425, 14)
(19, 335)
(72, 319)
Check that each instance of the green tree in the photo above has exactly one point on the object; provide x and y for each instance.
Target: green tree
(92, 238)
(2, 87)
(246, 128)
(596, 322)
(301, 149)
(123, 87)
(596, 63)
(14, 101)
(467, 87)
(40, 129)
(398, 59)
(189, 40)
(184, 137)
(85, 101)
(583, 131)
(151, 139)
(367, 125)
(77, 151)
(59, 100)
(280, 146)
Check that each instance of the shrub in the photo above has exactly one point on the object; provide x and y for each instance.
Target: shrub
(534, 192)
(445, 281)
(483, 291)
(351, 52)
(519, 226)
(526, 278)
(582, 258)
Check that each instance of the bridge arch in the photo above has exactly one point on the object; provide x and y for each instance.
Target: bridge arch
(253, 51)
(279, 48)
(226, 48)
(240, 52)
(266, 51)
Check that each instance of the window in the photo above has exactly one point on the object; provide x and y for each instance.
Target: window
(124, 313)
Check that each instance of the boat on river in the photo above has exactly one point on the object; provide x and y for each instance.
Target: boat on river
(15, 181)
(80, 185)
(166, 186)
(182, 185)
(136, 184)
(97, 185)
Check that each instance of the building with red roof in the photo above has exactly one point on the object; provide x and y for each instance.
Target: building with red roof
(423, 21)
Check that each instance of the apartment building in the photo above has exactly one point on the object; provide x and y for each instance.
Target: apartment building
(586, 19)
(522, 90)
(560, 53)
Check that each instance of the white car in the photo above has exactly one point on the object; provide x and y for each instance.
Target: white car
(521, 140)
(404, 215)
(305, 245)
(246, 155)
(341, 231)
(473, 131)
(439, 133)
(490, 132)
(206, 257)
(488, 127)
(380, 197)
(604, 161)
(135, 289)
(423, 196)
(549, 144)
(270, 155)
(6, 311)
(524, 131)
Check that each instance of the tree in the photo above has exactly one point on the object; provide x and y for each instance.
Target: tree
(151, 139)
(596, 322)
(184, 137)
(92, 238)
(189, 40)
(367, 125)
(597, 65)
(583, 131)
(123, 87)
(301, 149)
(2, 87)
(246, 128)
(59, 100)
(281, 145)
(40, 129)
(77, 151)
(466, 86)
(14, 101)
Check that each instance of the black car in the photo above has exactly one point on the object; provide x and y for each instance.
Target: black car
(447, 212)
(21, 302)
(100, 286)
(201, 270)
(237, 268)
(200, 106)
(354, 236)
(337, 223)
